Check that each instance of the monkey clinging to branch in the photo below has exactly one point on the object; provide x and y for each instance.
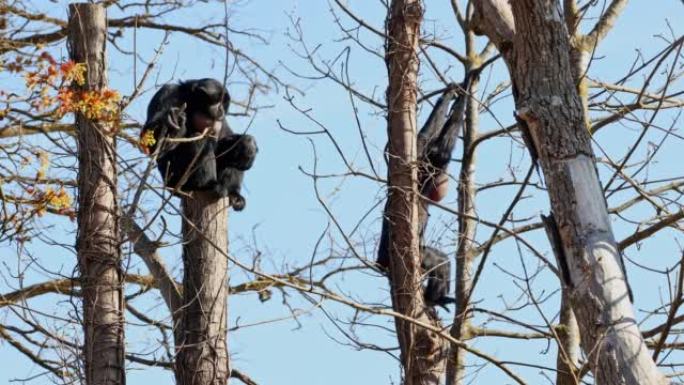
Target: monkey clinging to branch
(436, 142)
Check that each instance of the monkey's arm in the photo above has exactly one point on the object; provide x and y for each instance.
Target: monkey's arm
(165, 115)
(438, 151)
(435, 154)
(164, 99)
(436, 120)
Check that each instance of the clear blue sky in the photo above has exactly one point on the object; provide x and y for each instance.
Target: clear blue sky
(287, 220)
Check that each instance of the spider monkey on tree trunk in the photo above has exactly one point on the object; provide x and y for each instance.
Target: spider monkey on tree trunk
(197, 150)
(436, 142)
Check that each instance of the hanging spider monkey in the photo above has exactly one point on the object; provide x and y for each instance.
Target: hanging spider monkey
(436, 142)
(197, 150)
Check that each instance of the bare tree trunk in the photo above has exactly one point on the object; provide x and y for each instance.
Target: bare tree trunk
(467, 224)
(97, 240)
(201, 327)
(537, 54)
(567, 331)
(579, 62)
(567, 358)
(421, 350)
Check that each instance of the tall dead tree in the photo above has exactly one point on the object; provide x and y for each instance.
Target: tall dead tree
(201, 321)
(467, 226)
(421, 350)
(582, 48)
(535, 43)
(97, 240)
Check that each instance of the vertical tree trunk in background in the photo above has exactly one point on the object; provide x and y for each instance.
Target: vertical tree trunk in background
(536, 51)
(97, 239)
(421, 351)
(201, 329)
(467, 224)
(567, 358)
(579, 62)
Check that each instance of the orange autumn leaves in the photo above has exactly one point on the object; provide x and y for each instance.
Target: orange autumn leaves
(40, 197)
(101, 106)
(54, 90)
(147, 140)
(54, 199)
(67, 78)
(73, 72)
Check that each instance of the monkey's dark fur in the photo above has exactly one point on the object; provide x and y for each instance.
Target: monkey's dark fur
(436, 142)
(216, 159)
(438, 271)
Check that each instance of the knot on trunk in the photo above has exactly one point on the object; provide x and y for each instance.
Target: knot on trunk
(413, 11)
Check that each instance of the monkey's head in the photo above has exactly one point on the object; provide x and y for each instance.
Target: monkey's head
(207, 103)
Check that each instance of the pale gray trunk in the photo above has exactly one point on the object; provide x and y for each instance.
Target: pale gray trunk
(467, 224)
(97, 239)
(421, 351)
(201, 322)
(548, 104)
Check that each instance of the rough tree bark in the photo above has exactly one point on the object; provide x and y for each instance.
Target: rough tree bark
(201, 322)
(567, 331)
(581, 50)
(534, 40)
(97, 239)
(421, 350)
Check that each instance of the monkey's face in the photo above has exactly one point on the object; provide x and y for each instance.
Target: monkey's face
(201, 122)
(207, 105)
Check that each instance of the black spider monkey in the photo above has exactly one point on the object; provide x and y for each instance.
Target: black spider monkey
(436, 142)
(199, 151)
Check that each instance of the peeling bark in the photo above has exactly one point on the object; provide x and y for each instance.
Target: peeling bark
(547, 100)
(98, 239)
(567, 331)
